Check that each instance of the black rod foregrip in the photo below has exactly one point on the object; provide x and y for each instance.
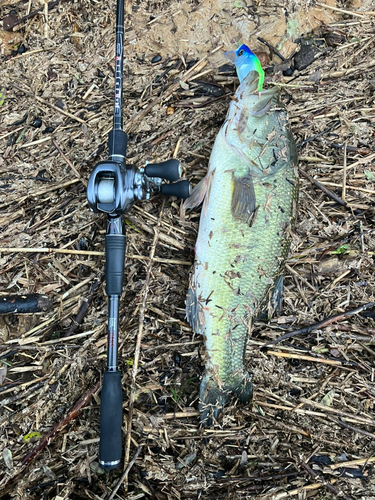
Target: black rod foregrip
(117, 143)
(115, 245)
(110, 447)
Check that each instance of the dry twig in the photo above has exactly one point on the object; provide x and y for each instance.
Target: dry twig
(125, 473)
(139, 338)
(329, 486)
(322, 324)
(81, 403)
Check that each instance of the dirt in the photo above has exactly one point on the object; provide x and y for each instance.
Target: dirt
(195, 30)
(310, 431)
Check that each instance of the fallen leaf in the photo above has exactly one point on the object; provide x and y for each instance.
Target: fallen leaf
(328, 398)
(8, 458)
(3, 374)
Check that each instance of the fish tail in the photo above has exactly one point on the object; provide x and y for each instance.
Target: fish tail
(213, 398)
(244, 390)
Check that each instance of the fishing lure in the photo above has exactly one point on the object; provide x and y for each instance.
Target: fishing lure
(245, 61)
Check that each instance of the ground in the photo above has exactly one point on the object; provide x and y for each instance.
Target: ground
(310, 431)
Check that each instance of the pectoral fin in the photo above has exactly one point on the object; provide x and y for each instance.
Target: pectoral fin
(200, 192)
(243, 200)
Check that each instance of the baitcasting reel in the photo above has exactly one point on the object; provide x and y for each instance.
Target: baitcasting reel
(114, 186)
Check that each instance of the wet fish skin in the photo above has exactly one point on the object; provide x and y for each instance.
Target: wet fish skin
(250, 197)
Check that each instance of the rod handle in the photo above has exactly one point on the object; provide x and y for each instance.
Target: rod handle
(115, 245)
(110, 446)
(117, 143)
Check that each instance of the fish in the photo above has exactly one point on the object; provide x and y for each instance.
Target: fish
(250, 197)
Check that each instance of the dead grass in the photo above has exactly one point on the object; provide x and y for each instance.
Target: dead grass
(314, 393)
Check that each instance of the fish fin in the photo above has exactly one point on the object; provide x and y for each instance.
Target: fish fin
(231, 56)
(197, 194)
(244, 391)
(213, 398)
(277, 295)
(200, 192)
(243, 199)
(275, 301)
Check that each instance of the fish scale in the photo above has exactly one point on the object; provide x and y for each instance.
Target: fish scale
(250, 197)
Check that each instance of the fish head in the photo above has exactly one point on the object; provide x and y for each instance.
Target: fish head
(245, 61)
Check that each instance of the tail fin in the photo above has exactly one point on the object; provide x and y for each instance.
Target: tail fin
(213, 398)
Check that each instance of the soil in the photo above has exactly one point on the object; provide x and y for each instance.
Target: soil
(311, 429)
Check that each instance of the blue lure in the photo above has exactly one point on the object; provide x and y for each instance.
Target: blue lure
(245, 61)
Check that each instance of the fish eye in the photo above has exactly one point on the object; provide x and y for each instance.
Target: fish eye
(241, 52)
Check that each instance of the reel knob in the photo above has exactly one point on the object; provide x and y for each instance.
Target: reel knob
(169, 170)
(181, 189)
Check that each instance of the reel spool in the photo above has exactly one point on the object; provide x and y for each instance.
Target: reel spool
(106, 191)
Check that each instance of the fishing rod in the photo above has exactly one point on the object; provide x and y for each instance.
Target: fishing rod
(112, 189)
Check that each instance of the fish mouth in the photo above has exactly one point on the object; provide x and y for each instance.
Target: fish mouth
(231, 56)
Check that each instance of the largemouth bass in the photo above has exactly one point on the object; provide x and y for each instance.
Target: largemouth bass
(249, 199)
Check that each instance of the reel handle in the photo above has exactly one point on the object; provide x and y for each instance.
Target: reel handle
(170, 170)
(181, 189)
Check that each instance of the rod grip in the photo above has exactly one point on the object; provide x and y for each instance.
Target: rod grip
(117, 143)
(110, 447)
(115, 261)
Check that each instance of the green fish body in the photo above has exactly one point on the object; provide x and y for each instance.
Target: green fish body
(250, 197)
